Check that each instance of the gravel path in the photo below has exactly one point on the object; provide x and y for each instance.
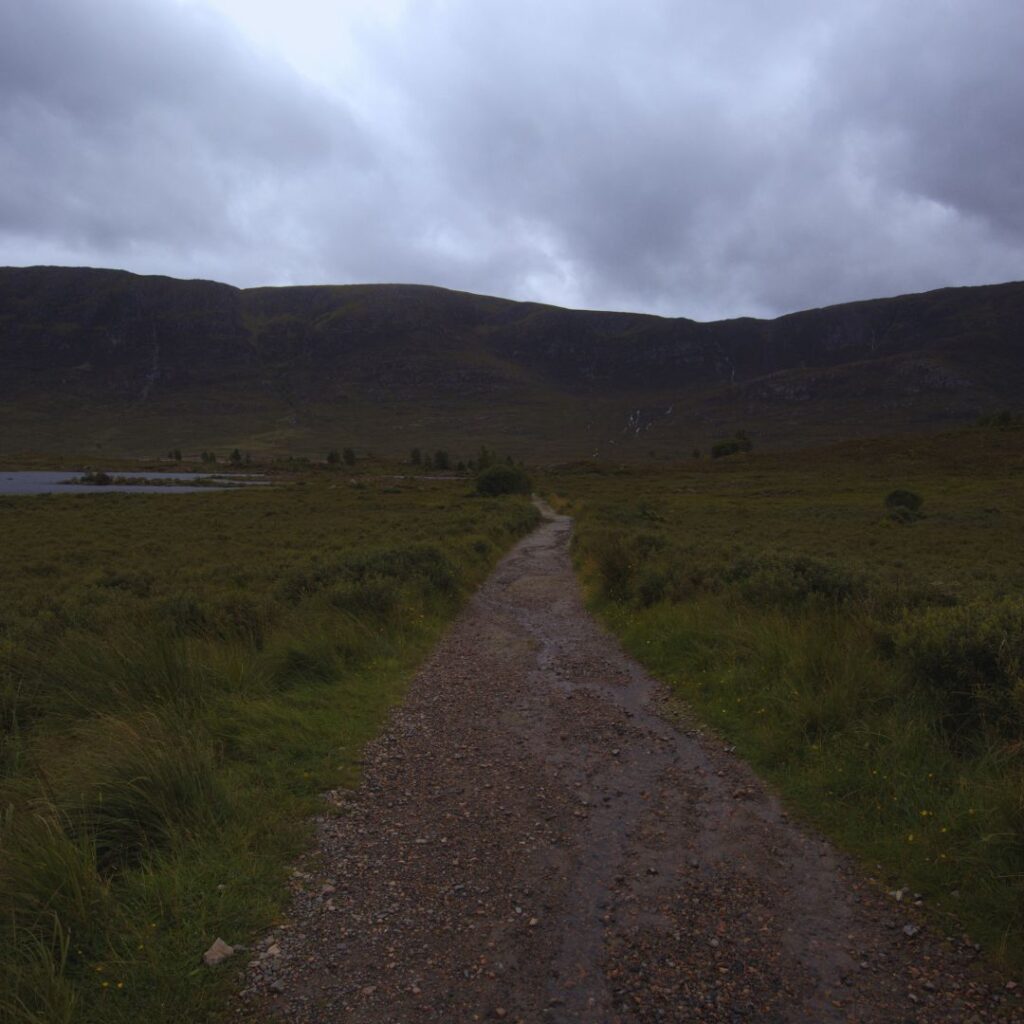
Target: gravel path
(533, 841)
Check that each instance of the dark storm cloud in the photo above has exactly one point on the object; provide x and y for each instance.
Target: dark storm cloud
(707, 158)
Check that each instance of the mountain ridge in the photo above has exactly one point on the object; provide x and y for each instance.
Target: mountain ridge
(133, 363)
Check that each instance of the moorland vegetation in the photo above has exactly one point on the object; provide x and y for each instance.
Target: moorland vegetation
(852, 620)
(181, 678)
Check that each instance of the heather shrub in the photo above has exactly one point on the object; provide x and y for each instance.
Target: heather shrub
(970, 661)
(904, 506)
(503, 479)
(791, 580)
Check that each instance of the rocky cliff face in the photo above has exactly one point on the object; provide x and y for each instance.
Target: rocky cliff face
(81, 336)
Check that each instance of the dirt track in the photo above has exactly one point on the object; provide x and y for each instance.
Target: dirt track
(533, 841)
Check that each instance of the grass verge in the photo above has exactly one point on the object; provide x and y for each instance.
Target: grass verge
(181, 677)
(867, 662)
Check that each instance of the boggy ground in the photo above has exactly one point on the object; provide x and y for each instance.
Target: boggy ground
(534, 840)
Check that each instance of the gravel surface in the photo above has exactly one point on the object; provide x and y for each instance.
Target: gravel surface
(535, 841)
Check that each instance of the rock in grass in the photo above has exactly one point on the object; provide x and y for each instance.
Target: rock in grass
(218, 953)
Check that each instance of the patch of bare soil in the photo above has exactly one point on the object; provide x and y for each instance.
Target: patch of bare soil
(534, 841)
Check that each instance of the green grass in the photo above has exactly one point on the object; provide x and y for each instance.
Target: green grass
(868, 664)
(181, 678)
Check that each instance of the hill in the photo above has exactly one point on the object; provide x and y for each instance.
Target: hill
(108, 360)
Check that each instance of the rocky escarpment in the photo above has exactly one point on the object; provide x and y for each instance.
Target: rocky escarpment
(73, 338)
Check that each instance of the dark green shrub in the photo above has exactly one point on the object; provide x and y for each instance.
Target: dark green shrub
(652, 586)
(739, 442)
(790, 580)
(499, 479)
(903, 499)
(969, 660)
(904, 506)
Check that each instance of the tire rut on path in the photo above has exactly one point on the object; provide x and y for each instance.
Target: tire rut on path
(533, 840)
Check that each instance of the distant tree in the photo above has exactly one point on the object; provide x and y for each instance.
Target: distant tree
(416, 457)
(349, 456)
(208, 457)
(460, 466)
(485, 458)
(236, 458)
(333, 457)
(739, 442)
(175, 454)
(696, 453)
(441, 460)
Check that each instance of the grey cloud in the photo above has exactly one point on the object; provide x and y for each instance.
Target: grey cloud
(134, 123)
(728, 157)
(944, 87)
(706, 159)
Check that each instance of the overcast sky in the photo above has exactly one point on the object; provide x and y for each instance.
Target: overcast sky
(701, 158)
